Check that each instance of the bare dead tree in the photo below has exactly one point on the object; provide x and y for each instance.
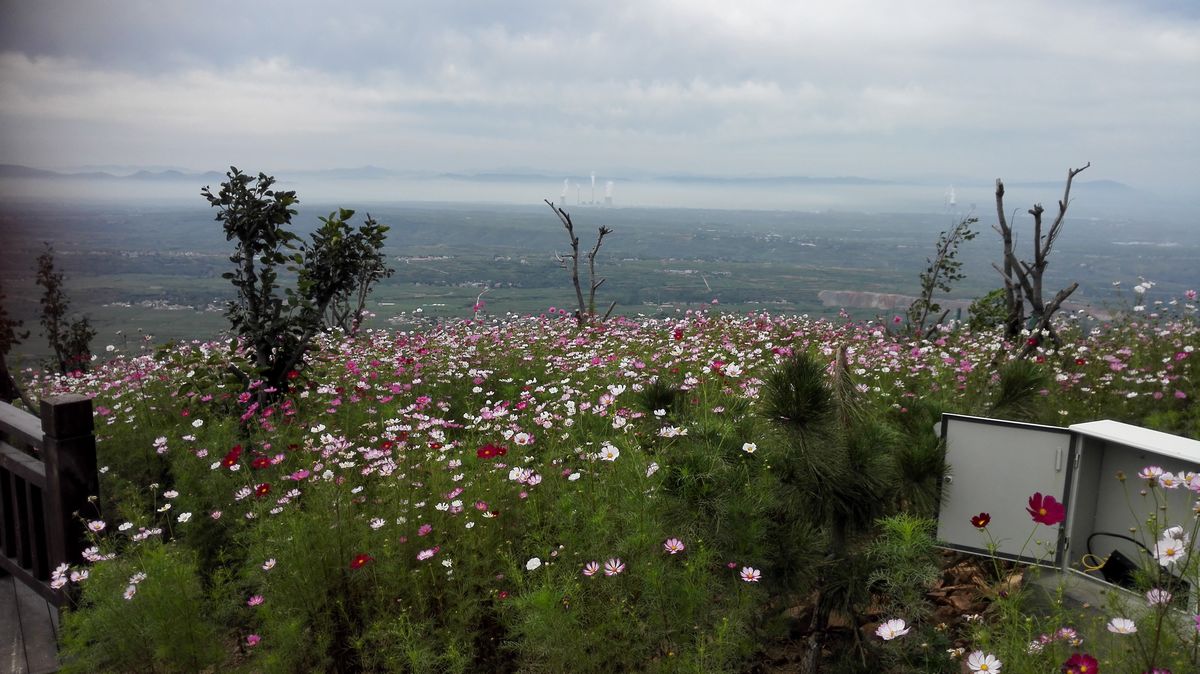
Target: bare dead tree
(1023, 280)
(586, 312)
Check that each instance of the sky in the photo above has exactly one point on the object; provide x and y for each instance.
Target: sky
(918, 90)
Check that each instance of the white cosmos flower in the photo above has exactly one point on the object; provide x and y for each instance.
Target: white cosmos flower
(1169, 551)
(896, 627)
(1122, 626)
(609, 452)
(533, 563)
(979, 661)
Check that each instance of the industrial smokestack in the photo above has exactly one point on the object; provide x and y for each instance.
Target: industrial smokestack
(608, 193)
(593, 187)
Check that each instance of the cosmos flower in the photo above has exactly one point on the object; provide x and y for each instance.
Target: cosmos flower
(896, 627)
(674, 546)
(1158, 597)
(1081, 663)
(1045, 509)
(591, 568)
(1122, 626)
(981, 520)
(490, 451)
(361, 560)
(978, 661)
(613, 566)
(750, 574)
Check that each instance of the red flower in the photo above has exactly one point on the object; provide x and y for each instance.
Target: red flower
(981, 520)
(1081, 663)
(232, 457)
(360, 561)
(1032, 341)
(292, 374)
(260, 462)
(1045, 509)
(1080, 361)
(678, 334)
(262, 490)
(490, 451)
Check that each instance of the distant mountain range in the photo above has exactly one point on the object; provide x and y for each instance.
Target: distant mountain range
(509, 175)
(18, 171)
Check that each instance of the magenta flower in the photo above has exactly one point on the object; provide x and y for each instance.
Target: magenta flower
(674, 546)
(1046, 509)
(253, 640)
(1081, 663)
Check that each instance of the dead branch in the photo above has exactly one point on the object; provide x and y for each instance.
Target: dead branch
(565, 218)
(1023, 280)
(586, 312)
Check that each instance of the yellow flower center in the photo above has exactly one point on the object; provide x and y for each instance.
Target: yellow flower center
(984, 667)
(1041, 511)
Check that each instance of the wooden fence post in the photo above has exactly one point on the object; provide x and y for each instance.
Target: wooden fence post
(69, 452)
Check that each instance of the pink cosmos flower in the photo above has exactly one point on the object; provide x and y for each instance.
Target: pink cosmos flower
(253, 640)
(591, 568)
(750, 575)
(674, 546)
(1150, 473)
(256, 600)
(613, 566)
(1158, 597)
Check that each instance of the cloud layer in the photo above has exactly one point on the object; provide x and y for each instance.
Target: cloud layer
(920, 89)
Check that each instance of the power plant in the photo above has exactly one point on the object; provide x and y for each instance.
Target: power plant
(608, 192)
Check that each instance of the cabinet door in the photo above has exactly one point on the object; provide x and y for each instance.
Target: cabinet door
(994, 466)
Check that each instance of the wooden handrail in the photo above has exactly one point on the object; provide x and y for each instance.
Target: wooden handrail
(47, 476)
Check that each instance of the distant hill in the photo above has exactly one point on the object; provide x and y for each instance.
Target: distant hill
(19, 171)
(774, 180)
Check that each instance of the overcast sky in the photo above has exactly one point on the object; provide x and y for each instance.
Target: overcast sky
(916, 89)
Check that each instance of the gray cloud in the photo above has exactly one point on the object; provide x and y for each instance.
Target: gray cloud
(928, 87)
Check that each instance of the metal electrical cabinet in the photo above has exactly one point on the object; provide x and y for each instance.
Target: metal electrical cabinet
(996, 465)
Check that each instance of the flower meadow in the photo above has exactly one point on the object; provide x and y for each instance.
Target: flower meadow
(520, 493)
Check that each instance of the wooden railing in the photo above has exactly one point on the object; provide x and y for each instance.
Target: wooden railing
(47, 474)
